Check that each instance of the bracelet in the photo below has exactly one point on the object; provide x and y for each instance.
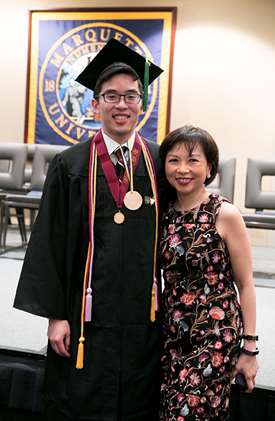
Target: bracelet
(250, 337)
(249, 353)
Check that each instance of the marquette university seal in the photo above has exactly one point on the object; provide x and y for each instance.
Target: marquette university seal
(66, 104)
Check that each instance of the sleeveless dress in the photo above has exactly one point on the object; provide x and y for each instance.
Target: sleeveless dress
(202, 322)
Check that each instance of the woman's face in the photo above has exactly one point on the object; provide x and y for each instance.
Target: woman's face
(186, 171)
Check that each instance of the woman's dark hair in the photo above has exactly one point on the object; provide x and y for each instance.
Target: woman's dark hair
(116, 69)
(189, 136)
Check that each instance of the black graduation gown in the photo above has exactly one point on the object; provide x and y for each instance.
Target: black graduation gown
(120, 378)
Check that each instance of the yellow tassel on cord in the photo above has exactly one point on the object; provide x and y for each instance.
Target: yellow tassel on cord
(153, 313)
(80, 353)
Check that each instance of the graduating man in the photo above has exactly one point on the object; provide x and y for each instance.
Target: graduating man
(90, 266)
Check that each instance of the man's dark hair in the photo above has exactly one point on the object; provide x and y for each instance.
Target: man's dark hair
(116, 69)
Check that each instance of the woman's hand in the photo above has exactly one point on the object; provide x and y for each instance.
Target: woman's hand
(59, 334)
(248, 366)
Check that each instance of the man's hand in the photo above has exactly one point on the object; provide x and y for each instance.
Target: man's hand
(59, 334)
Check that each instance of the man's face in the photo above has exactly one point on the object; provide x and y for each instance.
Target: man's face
(118, 119)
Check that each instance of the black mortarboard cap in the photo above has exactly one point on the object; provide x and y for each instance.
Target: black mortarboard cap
(114, 52)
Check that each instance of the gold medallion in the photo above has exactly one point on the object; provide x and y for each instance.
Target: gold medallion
(119, 218)
(132, 200)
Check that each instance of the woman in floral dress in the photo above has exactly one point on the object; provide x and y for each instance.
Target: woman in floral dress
(204, 253)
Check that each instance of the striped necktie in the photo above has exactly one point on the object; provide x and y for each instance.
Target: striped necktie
(120, 166)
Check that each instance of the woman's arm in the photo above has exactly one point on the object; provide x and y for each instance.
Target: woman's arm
(231, 227)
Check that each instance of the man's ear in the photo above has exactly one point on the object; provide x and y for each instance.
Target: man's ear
(95, 106)
(141, 109)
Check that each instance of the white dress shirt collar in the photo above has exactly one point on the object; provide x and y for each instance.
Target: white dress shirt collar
(112, 145)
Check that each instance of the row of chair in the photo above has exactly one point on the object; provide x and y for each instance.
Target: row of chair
(23, 170)
(263, 202)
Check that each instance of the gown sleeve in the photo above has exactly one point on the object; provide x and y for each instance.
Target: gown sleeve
(42, 285)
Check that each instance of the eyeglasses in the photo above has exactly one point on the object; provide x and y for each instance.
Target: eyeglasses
(114, 98)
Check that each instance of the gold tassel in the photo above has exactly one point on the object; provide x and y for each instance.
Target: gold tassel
(80, 353)
(153, 313)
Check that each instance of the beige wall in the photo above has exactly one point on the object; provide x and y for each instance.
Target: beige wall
(223, 75)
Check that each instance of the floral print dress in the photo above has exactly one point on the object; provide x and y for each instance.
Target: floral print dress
(202, 322)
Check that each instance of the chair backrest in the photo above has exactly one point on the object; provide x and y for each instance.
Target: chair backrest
(28, 167)
(255, 197)
(13, 157)
(224, 182)
(43, 155)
